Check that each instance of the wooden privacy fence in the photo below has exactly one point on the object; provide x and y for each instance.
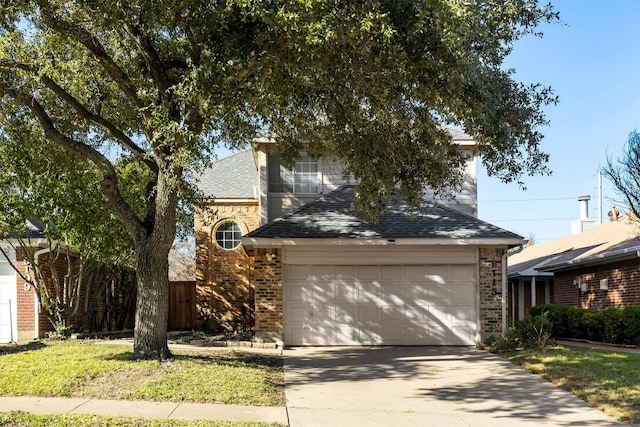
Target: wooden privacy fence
(182, 305)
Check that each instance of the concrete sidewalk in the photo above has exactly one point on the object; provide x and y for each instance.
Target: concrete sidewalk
(142, 409)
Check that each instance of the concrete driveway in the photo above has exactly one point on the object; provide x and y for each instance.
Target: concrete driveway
(423, 386)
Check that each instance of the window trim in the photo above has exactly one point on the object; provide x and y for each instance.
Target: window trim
(292, 179)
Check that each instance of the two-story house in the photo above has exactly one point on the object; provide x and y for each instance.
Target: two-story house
(280, 250)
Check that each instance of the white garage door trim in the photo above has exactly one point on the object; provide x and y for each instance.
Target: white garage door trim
(8, 295)
(380, 296)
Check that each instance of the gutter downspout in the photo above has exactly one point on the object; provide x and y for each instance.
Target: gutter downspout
(504, 286)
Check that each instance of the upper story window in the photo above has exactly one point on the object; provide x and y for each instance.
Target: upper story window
(302, 178)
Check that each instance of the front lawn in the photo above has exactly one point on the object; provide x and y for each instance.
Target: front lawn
(20, 419)
(86, 369)
(609, 381)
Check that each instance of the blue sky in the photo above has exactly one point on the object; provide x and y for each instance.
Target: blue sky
(592, 61)
(593, 64)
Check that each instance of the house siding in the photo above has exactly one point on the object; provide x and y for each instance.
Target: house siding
(490, 291)
(623, 280)
(224, 278)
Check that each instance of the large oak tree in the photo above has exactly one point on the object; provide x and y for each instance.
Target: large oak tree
(164, 82)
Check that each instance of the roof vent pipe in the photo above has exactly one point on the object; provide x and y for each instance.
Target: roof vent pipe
(584, 207)
(584, 223)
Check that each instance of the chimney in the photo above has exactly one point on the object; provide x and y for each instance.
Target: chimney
(584, 223)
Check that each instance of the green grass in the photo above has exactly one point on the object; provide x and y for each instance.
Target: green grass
(607, 380)
(86, 369)
(21, 419)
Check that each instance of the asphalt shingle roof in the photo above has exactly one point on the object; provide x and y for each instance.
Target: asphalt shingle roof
(332, 216)
(605, 239)
(235, 176)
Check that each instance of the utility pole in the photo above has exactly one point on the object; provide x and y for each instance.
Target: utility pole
(599, 196)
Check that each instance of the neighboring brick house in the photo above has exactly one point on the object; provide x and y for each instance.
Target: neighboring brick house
(596, 268)
(21, 319)
(310, 272)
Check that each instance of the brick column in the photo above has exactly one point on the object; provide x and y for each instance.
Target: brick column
(268, 294)
(490, 292)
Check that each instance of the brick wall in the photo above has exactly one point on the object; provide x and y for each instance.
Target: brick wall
(26, 301)
(490, 292)
(268, 293)
(624, 286)
(224, 288)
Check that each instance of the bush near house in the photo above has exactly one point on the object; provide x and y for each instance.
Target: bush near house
(616, 325)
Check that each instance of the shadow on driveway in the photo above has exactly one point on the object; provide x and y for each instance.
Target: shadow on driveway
(446, 386)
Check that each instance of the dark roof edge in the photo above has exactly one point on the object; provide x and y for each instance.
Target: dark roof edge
(597, 259)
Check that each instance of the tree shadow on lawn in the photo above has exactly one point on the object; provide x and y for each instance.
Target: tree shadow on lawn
(19, 348)
(222, 357)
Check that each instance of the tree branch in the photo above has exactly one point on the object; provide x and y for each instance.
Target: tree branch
(84, 113)
(109, 187)
(89, 41)
(152, 59)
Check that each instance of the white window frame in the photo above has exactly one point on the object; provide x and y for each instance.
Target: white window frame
(297, 179)
(228, 236)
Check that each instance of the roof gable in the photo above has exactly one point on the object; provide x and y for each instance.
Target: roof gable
(333, 217)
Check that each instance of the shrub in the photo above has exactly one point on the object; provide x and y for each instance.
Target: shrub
(591, 325)
(533, 331)
(614, 325)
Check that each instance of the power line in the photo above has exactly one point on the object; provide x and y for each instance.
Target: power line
(526, 200)
(532, 219)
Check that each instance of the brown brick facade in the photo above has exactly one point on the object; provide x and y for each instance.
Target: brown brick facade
(27, 310)
(623, 280)
(268, 282)
(490, 292)
(224, 277)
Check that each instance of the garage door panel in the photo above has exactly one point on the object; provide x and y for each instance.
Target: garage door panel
(370, 313)
(417, 314)
(393, 314)
(380, 305)
(416, 273)
(414, 291)
(462, 335)
(346, 291)
(463, 273)
(299, 292)
(393, 335)
(324, 292)
(346, 334)
(345, 313)
(462, 295)
(371, 335)
(370, 293)
(462, 316)
(346, 272)
(393, 294)
(439, 294)
(369, 273)
(391, 272)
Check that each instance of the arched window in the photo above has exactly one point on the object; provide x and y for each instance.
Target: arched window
(228, 235)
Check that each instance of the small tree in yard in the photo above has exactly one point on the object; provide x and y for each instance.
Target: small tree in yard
(163, 83)
(83, 245)
(625, 173)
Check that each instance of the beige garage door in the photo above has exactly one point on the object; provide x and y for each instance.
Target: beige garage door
(380, 304)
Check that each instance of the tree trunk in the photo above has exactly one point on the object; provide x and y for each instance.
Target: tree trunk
(152, 304)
